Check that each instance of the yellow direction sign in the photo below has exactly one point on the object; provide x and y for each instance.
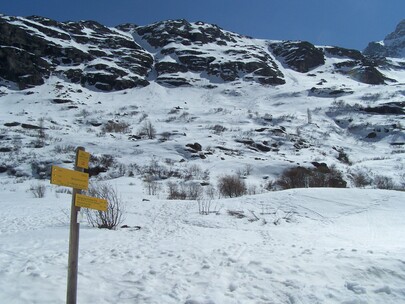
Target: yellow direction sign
(90, 202)
(83, 159)
(69, 178)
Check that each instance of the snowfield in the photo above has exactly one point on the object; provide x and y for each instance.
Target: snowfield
(329, 246)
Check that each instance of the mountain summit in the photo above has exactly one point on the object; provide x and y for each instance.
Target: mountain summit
(392, 46)
(171, 53)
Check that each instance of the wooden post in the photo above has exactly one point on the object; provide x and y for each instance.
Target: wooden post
(71, 294)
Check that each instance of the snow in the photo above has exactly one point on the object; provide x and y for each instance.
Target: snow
(308, 246)
(340, 246)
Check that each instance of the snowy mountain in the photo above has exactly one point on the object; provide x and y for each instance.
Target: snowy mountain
(238, 98)
(167, 111)
(393, 44)
(174, 52)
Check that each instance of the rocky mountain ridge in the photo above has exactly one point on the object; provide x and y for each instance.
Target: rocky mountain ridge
(393, 44)
(171, 53)
(181, 94)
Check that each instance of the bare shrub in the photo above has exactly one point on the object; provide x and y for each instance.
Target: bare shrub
(114, 215)
(383, 182)
(193, 190)
(116, 127)
(246, 171)
(41, 136)
(322, 176)
(195, 172)
(343, 157)
(64, 149)
(41, 169)
(38, 190)
(204, 206)
(294, 178)
(175, 193)
(152, 185)
(402, 180)
(252, 190)
(361, 179)
(231, 185)
(156, 170)
(101, 164)
(218, 129)
(147, 130)
(271, 185)
(210, 192)
(183, 191)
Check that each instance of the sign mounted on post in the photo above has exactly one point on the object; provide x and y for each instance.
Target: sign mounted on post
(90, 202)
(78, 180)
(83, 159)
(69, 178)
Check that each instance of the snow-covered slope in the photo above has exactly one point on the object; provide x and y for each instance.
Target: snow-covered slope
(329, 246)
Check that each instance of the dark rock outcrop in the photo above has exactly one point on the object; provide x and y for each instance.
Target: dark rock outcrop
(342, 52)
(84, 52)
(192, 47)
(300, 56)
(359, 67)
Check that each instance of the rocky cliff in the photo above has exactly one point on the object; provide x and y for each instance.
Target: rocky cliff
(171, 53)
(392, 46)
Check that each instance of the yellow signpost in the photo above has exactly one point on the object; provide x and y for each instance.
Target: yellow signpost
(83, 159)
(91, 202)
(69, 178)
(78, 180)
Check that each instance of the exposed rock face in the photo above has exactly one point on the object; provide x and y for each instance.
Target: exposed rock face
(342, 52)
(357, 66)
(183, 32)
(205, 48)
(392, 46)
(172, 53)
(84, 52)
(301, 56)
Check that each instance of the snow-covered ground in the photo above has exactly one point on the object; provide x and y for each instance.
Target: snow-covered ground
(329, 246)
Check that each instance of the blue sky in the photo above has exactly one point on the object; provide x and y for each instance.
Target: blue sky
(345, 23)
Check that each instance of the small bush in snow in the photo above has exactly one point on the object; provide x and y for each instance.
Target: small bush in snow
(116, 127)
(402, 181)
(41, 135)
(147, 130)
(114, 215)
(218, 129)
(64, 149)
(194, 172)
(383, 182)
(231, 186)
(152, 186)
(183, 191)
(38, 190)
(204, 206)
(361, 179)
(175, 193)
(322, 176)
